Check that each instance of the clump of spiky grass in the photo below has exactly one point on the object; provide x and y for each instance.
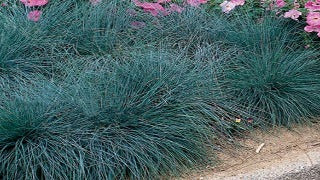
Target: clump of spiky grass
(141, 118)
(30, 46)
(35, 143)
(272, 75)
(73, 28)
(144, 116)
(64, 29)
(17, 41)
(98, 29)
(189, 29)
(259, 35)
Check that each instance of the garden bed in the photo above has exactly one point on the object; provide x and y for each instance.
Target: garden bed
(144, 90)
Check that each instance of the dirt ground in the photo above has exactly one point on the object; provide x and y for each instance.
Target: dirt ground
(284, 152)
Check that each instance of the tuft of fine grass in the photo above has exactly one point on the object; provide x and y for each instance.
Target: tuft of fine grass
(34, 142)
(142, 118)
(67, 28)
(272, 75)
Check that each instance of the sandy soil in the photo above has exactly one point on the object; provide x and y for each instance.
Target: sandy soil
(284, 152)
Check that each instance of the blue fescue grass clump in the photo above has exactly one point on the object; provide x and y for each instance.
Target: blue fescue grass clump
(139, 119)
(69, 28)
(272, 75)
(96, 29)
(35, 143)
(145, 116)
(262, 34)
(75, 28)
(188, 29)
(17, 42)
(283, 85)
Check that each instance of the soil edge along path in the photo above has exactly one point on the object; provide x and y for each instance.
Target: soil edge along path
(286, 154)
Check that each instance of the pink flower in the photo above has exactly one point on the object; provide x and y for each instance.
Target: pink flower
(176, 8)
(152, 8)
(280, 3)
(313, 5)
(313, 18)
(196, 3)
(227, 6)
(203, 1)
(34, 15)
(312, 29)
(138, 24)
(238, 2)
(31, 3)
(293, 14)
(95, 2)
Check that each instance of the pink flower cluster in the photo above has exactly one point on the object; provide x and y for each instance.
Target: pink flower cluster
(227, 6)
(196, 3)
(293, 14)
(280, 3)
(35, 14)
(32, 3)
(158, 8)
(153, 8)
(313, 17)
(311, 7)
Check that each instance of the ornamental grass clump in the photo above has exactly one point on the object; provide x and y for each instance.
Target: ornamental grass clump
(35, 143)
(273, 75)
(260, 35)
(190, 28)
(103, 118)
(100, 29)
(68, 28)
(18, 39)
(30, 46)
(143, 116)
